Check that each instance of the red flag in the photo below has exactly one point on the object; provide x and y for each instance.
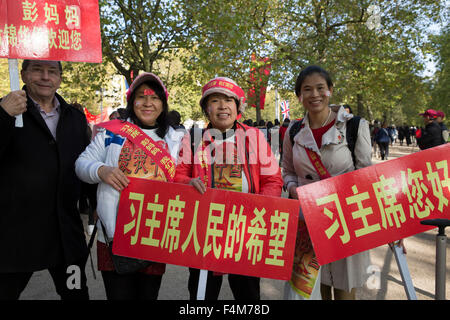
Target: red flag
(94, 119)
(259, 77)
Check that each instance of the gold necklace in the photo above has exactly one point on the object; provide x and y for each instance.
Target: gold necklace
(326, 120)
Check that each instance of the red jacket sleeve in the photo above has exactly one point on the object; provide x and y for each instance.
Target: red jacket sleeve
(184, 170)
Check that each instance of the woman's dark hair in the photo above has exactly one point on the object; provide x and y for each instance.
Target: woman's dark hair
(162, 121)
(174, 118)
(309, 71)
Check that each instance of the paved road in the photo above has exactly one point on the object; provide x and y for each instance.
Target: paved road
(420, 258)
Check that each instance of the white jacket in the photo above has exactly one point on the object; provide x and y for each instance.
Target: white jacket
(350, 272)
(104, 150)
(334, 153)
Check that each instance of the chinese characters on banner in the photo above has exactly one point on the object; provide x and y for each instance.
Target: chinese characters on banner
(50, 30)
(223, 231)
(376, 205)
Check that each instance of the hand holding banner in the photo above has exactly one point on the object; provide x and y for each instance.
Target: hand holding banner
(373, 206)
(223, 231)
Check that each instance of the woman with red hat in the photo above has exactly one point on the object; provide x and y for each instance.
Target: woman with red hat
(110, 160)
(431, 135)
(440, 121)
(237, 163)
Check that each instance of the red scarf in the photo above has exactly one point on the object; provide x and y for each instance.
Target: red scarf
(134, 134)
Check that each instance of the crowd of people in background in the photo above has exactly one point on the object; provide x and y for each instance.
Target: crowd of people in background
(382, 135)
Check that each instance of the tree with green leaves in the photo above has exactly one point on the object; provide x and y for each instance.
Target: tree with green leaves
(138, 33)
(441, 82)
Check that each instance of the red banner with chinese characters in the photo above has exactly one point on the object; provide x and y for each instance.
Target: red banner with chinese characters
(259, 77)
(373, 206)
(50, 30)
(223, 231)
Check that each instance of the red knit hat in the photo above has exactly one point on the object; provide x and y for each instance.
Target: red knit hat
(227, 87)
(144, 77)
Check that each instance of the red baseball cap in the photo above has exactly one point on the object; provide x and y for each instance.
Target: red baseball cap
(441, 114)
(429, 113)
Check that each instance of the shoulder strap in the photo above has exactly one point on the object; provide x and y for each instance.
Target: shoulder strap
(352, 134)
(133, 133)
(295, 128)
(196, 138)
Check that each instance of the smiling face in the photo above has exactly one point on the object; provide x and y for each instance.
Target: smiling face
(315, 94)
(42, 80)
(147, 105)
(221, 110)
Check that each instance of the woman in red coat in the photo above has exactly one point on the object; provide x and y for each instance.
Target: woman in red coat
(227, 155)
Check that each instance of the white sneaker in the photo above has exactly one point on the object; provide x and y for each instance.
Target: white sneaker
(90, 229)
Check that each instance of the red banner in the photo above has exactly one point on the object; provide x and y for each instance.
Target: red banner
(376, 205)
(223, 231)
(50, 30)
(94, 119)
(259, 77)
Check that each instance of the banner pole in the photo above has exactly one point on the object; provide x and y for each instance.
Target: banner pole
(14, 84)
(202, 280)
(277, 109)
(404, 272)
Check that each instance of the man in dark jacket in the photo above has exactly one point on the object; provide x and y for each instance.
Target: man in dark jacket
(39, 221)
(440, 121)
(431, 135)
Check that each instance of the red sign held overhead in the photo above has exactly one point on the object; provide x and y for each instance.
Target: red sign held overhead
(222, 231)
(373, 206)
(50, 30)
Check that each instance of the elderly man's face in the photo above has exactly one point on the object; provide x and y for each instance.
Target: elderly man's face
(42, 79)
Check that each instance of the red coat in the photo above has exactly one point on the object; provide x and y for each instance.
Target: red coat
(261, 168)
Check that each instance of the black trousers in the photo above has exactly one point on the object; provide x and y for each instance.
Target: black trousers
(242, 287)
(134, 286)
(384, 149)
(67, 286)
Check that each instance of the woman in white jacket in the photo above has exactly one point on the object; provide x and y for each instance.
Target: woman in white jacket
(109, 160)
(323, 131)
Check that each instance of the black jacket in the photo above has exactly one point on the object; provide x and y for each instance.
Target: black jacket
(40, 226)
(431, 136)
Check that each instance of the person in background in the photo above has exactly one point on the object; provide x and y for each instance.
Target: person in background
(440, 121)
(88, 197)
(431, 135)
(411, 136)
(269, 126)
(347, 108)
(40, 222)
(175, 120)
(222, 101)
(114, 115)
(383, 137)
(401, 134)
(282, 132)
(275, 138)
